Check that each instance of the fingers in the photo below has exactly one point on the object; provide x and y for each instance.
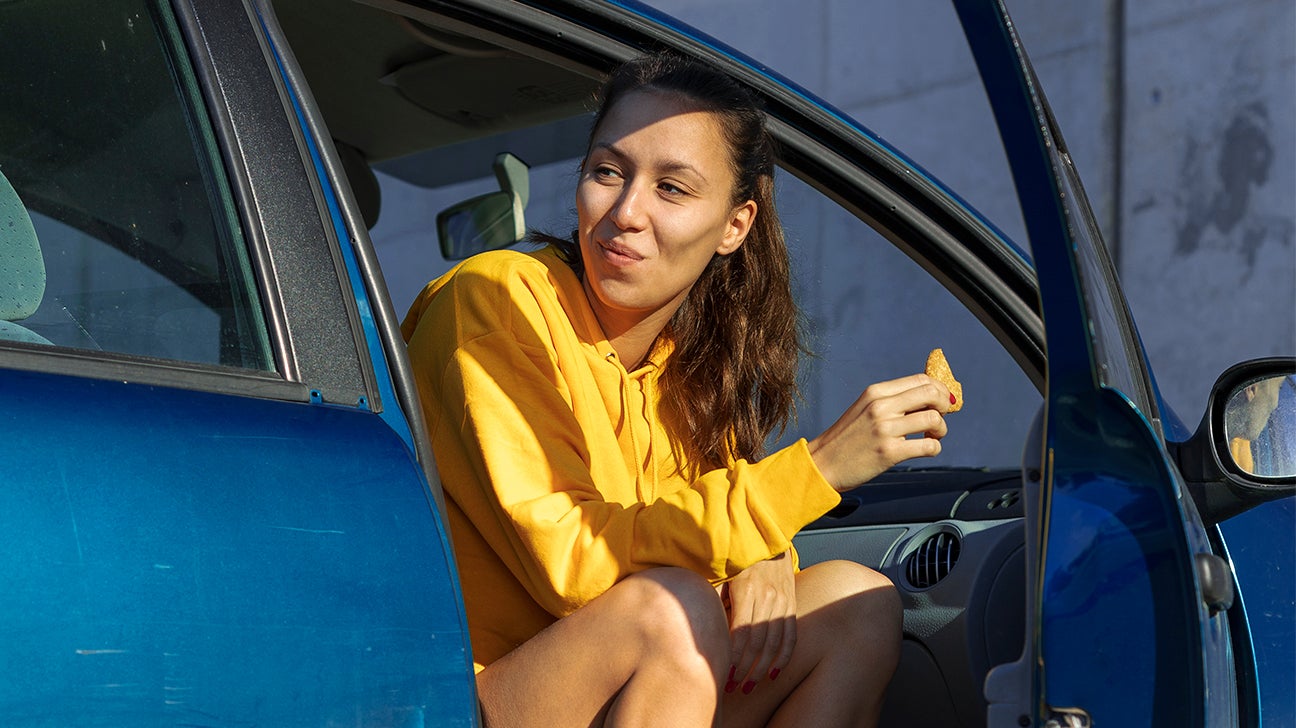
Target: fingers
(929, 390)
(784, 655)
(931, 395)
(753, 663)
(916, 409)
(879, 429)
(762, 624)
(764, 655)
(889, 426)
(748, 631)
(756, 635)
(909, 394)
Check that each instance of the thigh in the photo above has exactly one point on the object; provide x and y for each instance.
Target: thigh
(848, 622)
(572, 672)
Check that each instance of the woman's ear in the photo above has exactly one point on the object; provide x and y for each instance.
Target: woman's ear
(740, 223)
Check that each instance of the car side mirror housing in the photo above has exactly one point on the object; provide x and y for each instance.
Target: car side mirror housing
(490, 221)
(1244, 451)
(1260, 426)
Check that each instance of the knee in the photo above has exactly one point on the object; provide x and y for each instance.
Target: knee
(871, 615)
(678, 616)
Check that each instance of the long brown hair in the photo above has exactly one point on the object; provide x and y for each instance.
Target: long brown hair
(731, 380)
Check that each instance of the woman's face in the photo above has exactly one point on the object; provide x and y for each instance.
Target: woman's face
(654, 204)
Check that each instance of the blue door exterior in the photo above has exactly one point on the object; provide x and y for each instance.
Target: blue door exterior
(1122, 634)
(267, 562)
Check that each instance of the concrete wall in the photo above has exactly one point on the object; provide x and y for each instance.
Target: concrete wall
(1180, 114)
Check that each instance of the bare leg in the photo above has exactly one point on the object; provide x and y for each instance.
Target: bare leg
(649, 651)
(848, 645)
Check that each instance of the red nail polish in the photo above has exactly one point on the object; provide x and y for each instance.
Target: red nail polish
(774, 673)
(952, 400)
(730, 686)
(748, 687)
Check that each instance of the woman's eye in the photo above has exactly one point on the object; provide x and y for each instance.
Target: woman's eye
(670, 189)
(605, 173)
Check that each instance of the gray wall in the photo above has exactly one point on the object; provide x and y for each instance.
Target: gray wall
(1180, 114)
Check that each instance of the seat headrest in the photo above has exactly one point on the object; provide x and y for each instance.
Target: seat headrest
(22, 269)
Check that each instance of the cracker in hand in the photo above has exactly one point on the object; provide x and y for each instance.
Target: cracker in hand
(939, 369)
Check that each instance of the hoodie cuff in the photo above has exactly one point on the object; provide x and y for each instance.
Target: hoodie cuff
(794, 489)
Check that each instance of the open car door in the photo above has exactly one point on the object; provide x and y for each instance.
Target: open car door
(1120, 630)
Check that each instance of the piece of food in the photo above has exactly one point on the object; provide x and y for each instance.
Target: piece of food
(939, 369)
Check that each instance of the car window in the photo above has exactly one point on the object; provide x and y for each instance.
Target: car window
(870, 312)
(105, 145)
(873, 314)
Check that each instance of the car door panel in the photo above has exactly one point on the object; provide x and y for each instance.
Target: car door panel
(1118, 536)
(269, 563)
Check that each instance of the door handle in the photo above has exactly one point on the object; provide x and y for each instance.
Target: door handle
(1216, 580)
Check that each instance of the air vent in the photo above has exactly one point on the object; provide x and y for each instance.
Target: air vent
(933, 560)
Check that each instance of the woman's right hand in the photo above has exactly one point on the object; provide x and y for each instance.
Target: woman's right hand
(761, 604)
(873, 434)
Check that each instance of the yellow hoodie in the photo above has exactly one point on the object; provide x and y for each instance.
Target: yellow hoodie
(559, 478)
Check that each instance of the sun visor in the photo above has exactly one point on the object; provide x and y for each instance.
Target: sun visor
(492, 94)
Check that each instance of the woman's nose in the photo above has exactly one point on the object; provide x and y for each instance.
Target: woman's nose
(627, 212)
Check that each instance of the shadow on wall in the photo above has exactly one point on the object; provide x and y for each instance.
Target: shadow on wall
(1223, 200)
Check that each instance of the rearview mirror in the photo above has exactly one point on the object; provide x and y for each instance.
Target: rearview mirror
(490, 221)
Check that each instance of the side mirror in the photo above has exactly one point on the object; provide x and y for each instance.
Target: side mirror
(1259, 425)
(490, 221)
(1244, 451)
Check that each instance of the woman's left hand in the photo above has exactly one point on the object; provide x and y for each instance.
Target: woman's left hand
(761, 601)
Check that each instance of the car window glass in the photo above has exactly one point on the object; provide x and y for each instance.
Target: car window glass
(1117, 353)
(872, 314)
(106, 145)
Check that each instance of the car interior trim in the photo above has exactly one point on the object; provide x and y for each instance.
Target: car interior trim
(309, 130)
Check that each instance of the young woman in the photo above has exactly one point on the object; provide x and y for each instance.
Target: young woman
(598, 410)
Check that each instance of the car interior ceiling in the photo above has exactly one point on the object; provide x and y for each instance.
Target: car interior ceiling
(413, 100)
(417, 102)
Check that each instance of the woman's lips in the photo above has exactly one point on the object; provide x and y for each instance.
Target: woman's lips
(619, 254)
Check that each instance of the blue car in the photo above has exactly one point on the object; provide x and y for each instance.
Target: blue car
(219, 505)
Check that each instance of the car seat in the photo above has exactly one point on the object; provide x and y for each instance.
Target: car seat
(22, 269)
